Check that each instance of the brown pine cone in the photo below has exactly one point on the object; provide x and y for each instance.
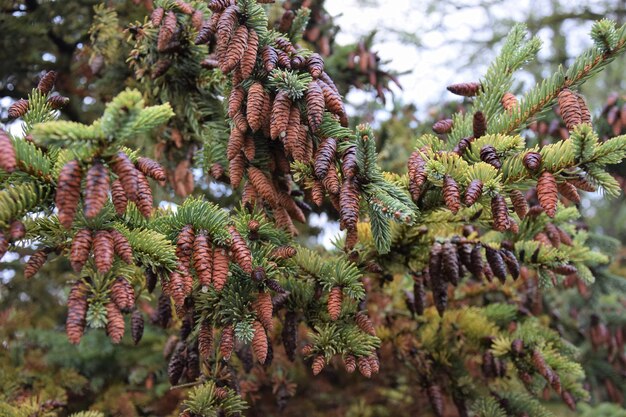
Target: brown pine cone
(314, 105)
(496, 263)
(317, 193)
(332, 100)
(263, 308)
(136, 326)
(270, 58)
(17, 230)
(123, 294)
(144, 195)
(570, 108)
(417, 174)
(331, 182)
(318, 364)
(281, 111)
(203, 259)
(568, 191)
(236, 168)
(509, 101)
(235, 101)
(419, 294)
(8, 159)
(46, 83)
(255, 105)
(184, 245)
(18, 109)
(479, 124)
(465, 89)
(249, 58)
(450, 268)
(500, 213)
(489, 155)
(519, 203)
(547, 193)
(151, 168)
(96, 189)
(205, 340)
(365, 324)
(532, 161)
(585, 114)
(451, 194)
(119, 197)
(335, 299)
(236, 49)
(235, 143)
(167, 31)
(283, 252)
(443, 126)
(259, 342)
(157, 16)
(122, 246)
(218, 6)
(57, 102)
(227, 342)
(68, 192)
(435, 397)
(220, 268)
(473, 192)
(81, 247)
(127, 174)
(103, 251)
(324, 157)
(76, 312)
(582, 183)
(35, 262)
(240, 250)
(115, 323)
(364, 366)
(263, 185)
(349, 204)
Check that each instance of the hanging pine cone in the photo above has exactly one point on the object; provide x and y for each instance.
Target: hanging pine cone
(349, 167)
(8, 160)
(349, 204)
(335, 299)
(167, 31)
(236, 49)
(314, 105)
(283, 252)
(151, 168)
(144, 195)
(122, 246)
(218, 6)
(479, 124)
(119, 197)
(553, 234)
(255, 105)
(570, 108)
(270, 58)
(240, 250)
(585, 114)
(317, 193)
(220, 268)
(289, 334)
(164, 310)
(115, 323)
(103, 251)
(443, 126)
(365, 324)
(76, 312)
(364, 366)
(547, 193)
(235, 143)
(511, 262)
(227, 342)
(324, 157)
(450, 268)
(68, 192)
(496, 263)
(568, 191)
(123, 294)
(259, 342)
(96, 189)
(476, 263)
(519, 203)
(205, 340)
(349, 362)
(136, 326)
(178, 288)
(473, 192)
(18, 109)
(465, 89)
(157, 16)
(569, 400)
(263, 309)
(176, 365)
(509, 101)
(235, 102)
(205, 32)
(80, 249)
(500, 213)
(463, 145)
(318, 364)
(35, 262)
(249, 58)
(582, 183)
(263, 185)
(532, 161)
(236, 167)
(281, 110)
(17, 230)
(127, 174)
(419, 294)
(331, 182)
(57, 102)
(451, 194)
(438, 284)
(203, 259)
(417, 174)
(184, 245)
(489, 155)
(435, 397)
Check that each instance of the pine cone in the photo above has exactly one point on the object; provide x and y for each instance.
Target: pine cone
(509, 101)
(103, 251)
(283, 252)
(314, 105)
(417, 174)
(249, 147)
(332, 100)
(218, 6)
(184, 245)
(255, 105)
(476, 264)
(240, 250)
(205, 32)
(157, 16)
(235, 143)
(122, 246)
(465, 89)
(127, 174)
(317, 193)
(568, 191)
(18, 109)
(68, 192)
(123, 294)
(151, 168)
(249, 58)
(17, 230)
(119, 197)
(236, 168)
(144, 195)
(451, 194)
(349, 166)
(500, 213)
(419, 294)
(81, 247)
(76, 312)
(216, 171)
(479, 124)
(318, 364)
(335, 299)
(96, 189)
(443, 126)
(585, 114)
(235, 101)
(115, 323)
(496, 263)
(205, 340)
(547, 193)
(450, 268)
(435, 397)
(203, 259)
(167, 31)
(364, 366)
(8, 159)
(438, 284)
(349, 204)
(570, 108)
(289, 334)
(280, 115)
(324, 157)
(263, 185)
(532, 161)
(136, 326)
(364, 323)
(473, 192)
(35, 262)
(349, 362)
(489, 155)
(176, 365)
(259, 342)
(582, 183)
(227, 342)
(519, 203)
(178, 288)
(57, 102)
(270, 58)
(236, 49)
(511, 262)
(164, 310)
(220, 268)
(331, 182)
(184, 7)
(463, 144)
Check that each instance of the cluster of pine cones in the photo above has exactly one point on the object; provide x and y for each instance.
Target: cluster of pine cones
(45, 86)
